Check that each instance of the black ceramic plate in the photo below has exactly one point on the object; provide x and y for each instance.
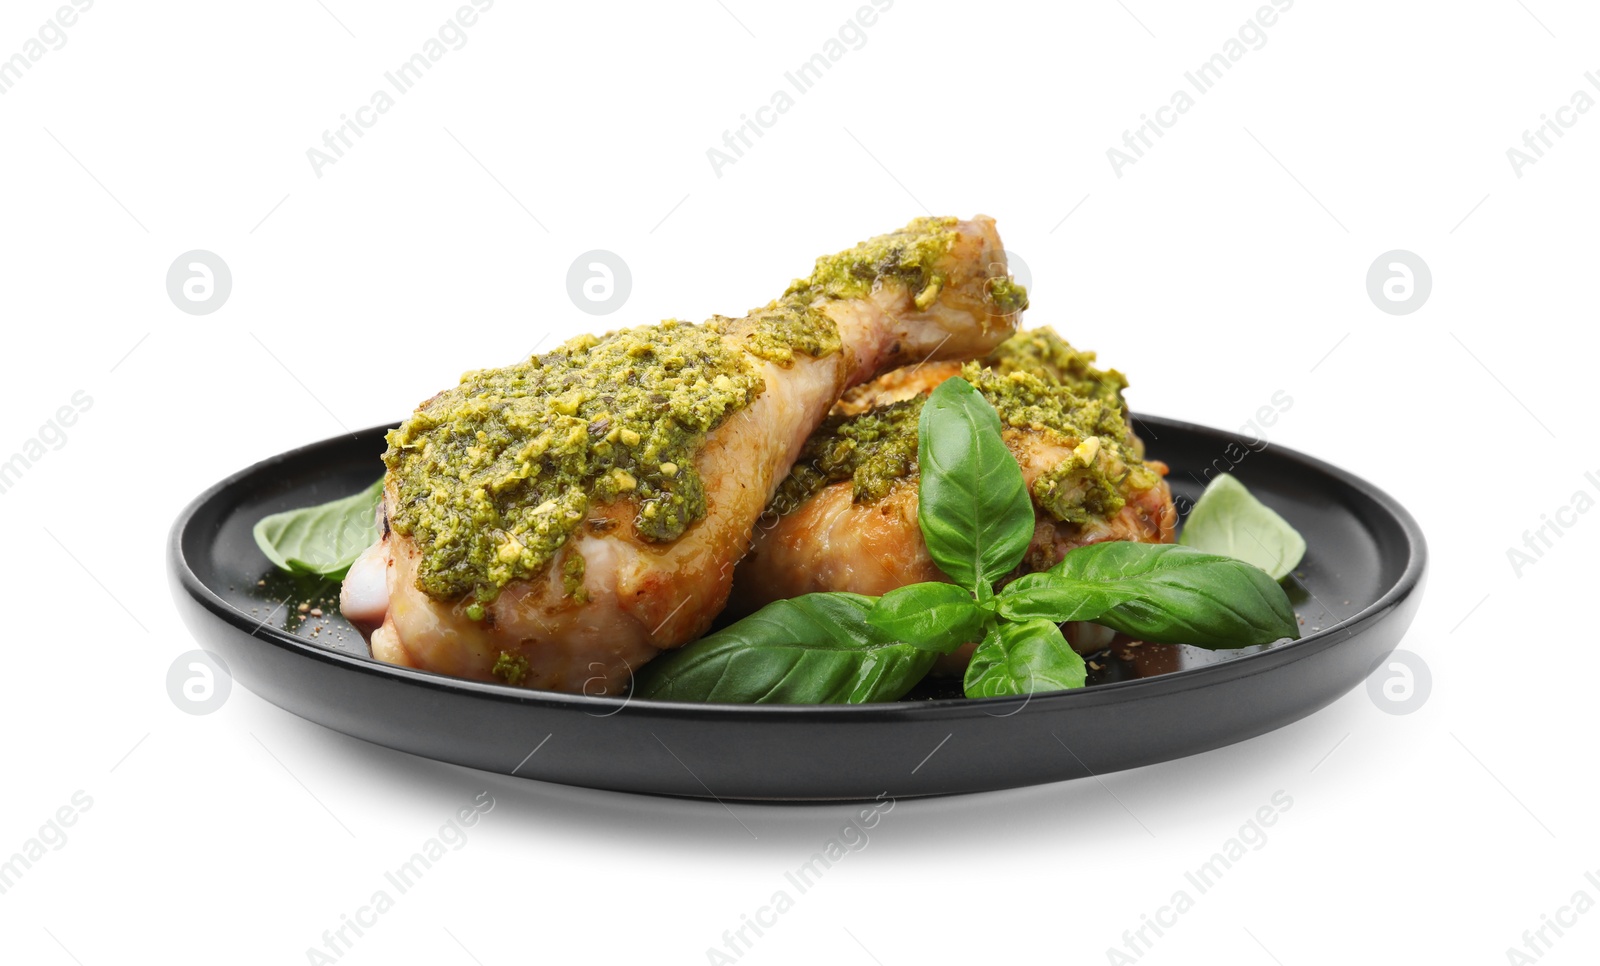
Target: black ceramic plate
(1356, 593)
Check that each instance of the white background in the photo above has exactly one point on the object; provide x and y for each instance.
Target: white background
(1227, 264)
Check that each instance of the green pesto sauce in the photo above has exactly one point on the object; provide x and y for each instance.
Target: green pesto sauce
(784, 328)
(910, 256)
(1044, 353)
(1036, 382)
(495, 474)
(1086, 484)
(510, 668)
(572, 571)
(873, 450)
(1007, 295)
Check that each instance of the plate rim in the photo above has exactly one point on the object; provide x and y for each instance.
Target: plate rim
(1410, 579)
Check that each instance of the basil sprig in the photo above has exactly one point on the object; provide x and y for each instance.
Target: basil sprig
(1058, 597)
(322, 540)
(1175, 594)
(1021, 658)
(972, 504)
(977, 520)
(815, 649)
(934, 616)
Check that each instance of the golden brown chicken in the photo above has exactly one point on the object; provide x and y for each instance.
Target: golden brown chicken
(845, 519)
(558, 522)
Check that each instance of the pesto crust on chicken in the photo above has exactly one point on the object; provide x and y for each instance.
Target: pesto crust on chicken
(558, 522)
(845, 517)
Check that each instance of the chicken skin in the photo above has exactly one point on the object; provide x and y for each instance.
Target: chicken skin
(557, 523)
(846, 517)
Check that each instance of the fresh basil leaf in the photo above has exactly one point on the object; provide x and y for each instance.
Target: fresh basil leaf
(973, 506)
(1057, 597)
(932, 616)
(1229, 520)
(323, 540)
(1185, 596)
(815, 649)
(1023, 658)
